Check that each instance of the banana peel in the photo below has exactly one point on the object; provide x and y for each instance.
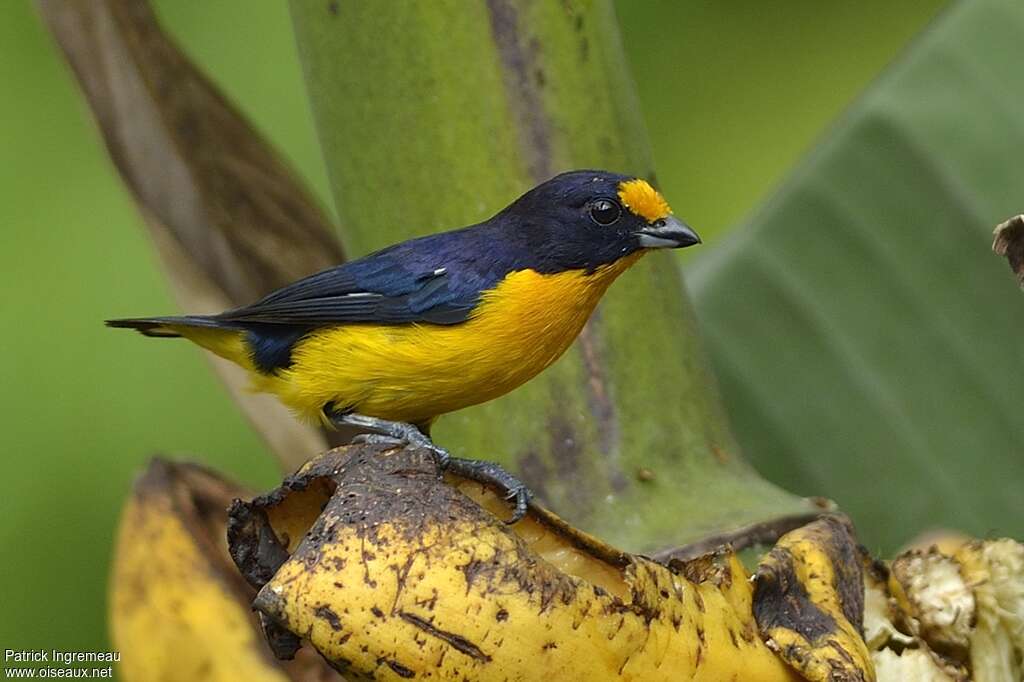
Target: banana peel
(390, 573)
(178, 608)
(809, 602)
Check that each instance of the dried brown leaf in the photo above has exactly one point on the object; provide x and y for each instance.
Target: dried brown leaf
(229, 218)
(1008, 241)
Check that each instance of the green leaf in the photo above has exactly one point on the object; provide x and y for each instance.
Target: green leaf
(867, 340)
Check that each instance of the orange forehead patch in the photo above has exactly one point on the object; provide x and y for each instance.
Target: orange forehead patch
(643, 200)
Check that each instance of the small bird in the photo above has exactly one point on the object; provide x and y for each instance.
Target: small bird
(391, 341)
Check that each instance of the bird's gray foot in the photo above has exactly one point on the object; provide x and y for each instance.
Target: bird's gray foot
(377, 439)
(390, 432)
(493, 474)
(397, 433)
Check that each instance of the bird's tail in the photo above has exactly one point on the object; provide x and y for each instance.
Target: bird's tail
(166, 327)
(218, 336)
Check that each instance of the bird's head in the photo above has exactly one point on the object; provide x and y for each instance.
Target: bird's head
(585, 219)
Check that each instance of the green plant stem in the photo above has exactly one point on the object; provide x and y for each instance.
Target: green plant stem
(436, 114)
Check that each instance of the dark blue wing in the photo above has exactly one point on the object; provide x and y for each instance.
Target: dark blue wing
(429, 298)
(436, 279)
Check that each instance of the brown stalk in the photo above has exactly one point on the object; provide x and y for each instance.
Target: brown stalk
(229, 218)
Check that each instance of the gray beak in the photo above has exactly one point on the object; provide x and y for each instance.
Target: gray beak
(667, 233)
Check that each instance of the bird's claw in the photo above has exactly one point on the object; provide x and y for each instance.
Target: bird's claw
(377, 439)
(441, 456)
(398, 433)
(522, 497)
(492, 474)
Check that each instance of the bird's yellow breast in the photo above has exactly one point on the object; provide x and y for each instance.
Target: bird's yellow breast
(416, 372)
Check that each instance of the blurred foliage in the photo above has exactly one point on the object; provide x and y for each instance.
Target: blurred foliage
(733, 93)
(867, 290)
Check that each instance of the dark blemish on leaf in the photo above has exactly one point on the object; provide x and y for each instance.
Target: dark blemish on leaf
(549, 645)
(457, 642)
(535, 474)
(518, 59)
(377, 612)
(501, 616)
(569, 459)
(332, 7)
(598, 391)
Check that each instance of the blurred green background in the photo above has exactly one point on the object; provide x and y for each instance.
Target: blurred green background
(734, 93)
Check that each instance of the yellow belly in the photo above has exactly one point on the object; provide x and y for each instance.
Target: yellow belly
(414, 373)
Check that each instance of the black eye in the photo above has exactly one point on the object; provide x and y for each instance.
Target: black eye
(605, 211)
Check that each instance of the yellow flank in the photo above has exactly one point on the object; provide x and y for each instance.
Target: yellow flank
(226, 343)
(643, 200)
(416, 372)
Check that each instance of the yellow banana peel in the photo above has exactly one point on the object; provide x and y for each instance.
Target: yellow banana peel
(809, 602)
(390, 573)
(398, 575)
(178, 608)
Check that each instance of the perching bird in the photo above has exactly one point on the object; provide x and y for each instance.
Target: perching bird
(432, 325)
